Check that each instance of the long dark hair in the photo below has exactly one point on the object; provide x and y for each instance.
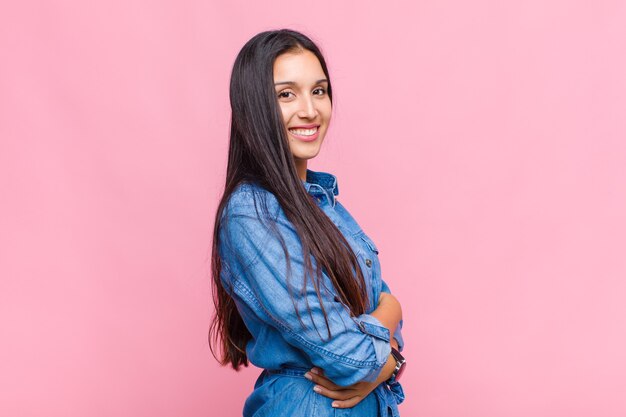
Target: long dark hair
(259, 152)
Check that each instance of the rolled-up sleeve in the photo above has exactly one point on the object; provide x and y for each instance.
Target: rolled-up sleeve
(397, 334)
(358, 346)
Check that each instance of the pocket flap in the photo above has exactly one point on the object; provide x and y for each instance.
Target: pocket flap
(369, 242)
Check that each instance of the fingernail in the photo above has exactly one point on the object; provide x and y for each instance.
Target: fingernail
(334, 404)
(317, 388)
(308, 376)
(315, 371)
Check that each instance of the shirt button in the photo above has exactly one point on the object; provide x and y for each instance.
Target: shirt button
(368, 262)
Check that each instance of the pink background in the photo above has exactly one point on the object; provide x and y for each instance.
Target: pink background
(480, 144)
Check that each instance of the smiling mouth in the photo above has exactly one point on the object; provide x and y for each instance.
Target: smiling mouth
(304, 132)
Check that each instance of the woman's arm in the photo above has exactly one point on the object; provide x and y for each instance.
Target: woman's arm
(389, 313)
(397, 335)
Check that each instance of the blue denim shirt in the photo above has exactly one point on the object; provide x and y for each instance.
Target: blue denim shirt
(254, 269)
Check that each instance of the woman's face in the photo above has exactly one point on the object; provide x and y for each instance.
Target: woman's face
(300, 85)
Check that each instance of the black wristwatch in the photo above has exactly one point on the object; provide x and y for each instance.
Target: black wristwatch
(400, 365)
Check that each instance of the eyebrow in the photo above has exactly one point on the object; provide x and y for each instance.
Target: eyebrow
(294, 83)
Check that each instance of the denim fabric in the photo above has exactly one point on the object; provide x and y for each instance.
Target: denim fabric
(254, 271)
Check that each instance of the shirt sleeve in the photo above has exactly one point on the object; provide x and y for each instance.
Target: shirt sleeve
(397, 334)
(359, 345)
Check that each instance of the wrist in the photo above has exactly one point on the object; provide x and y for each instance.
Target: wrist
(394, 343)
(400, 366)
(387, 370)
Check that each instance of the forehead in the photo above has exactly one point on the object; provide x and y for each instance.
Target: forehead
(301, 67)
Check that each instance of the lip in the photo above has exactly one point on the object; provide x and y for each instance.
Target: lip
(305, 126)
(306, 138)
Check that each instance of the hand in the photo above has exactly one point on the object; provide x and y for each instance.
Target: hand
(346, 397)
(351, 395)
(386, 297)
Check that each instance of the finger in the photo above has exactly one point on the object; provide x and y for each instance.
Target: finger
(347, 403)
(317, 371)
(335, 395)
(322, 380)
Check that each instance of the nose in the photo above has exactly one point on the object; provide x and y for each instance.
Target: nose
(307, 108)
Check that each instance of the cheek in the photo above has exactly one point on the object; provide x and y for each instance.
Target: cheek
(327, 109)
(285, 112)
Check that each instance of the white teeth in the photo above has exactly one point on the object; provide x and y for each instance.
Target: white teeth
(304, 132)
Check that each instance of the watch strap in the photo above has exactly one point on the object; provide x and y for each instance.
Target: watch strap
(400, 362)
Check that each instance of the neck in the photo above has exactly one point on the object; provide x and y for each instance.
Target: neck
(301, 167)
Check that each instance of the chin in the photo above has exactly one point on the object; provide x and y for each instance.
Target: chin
(303, 152)
(304, 157)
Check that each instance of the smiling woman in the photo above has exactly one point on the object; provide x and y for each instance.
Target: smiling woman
(297, 285)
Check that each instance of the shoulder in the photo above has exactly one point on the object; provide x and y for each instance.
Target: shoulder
(248, 224)
(250, 199)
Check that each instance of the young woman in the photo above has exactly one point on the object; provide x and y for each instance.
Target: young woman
(296, 281)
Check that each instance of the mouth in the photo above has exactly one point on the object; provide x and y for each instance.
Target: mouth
(304, 130)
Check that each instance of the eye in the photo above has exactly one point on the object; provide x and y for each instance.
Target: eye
(323, 91)
(284, 94)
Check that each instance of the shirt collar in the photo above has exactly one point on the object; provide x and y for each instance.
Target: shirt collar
(325, 183)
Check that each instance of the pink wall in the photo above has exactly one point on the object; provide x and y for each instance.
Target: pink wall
(481, 144)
